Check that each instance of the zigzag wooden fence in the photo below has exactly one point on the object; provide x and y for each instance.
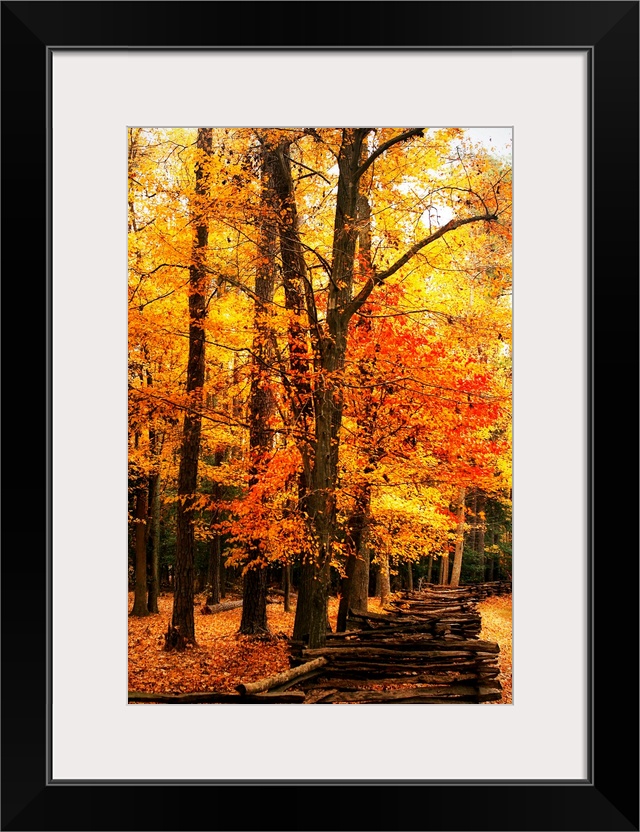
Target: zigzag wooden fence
(425, 650)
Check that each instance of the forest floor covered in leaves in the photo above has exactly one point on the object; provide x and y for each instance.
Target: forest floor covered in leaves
(223, 659)
(497, 626)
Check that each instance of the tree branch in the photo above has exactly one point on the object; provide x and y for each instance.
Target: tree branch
(401, 137)
(380, 277)
(306, 167)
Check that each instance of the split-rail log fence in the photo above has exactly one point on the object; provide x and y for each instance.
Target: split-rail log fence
(424, 649)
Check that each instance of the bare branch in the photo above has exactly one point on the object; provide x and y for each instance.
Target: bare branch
(401, 137)
(380, 277)
(300, 165)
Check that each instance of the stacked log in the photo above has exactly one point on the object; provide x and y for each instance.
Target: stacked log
(470, 592)
(450, 613)
(445, 624)
(407, 668)
(490, 588)
(423, 649)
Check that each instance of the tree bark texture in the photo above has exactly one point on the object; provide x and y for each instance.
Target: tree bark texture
(359, 592)
(183, 619)
(355, 590)
(140, 597)
(286, 569)
(214, 571)
(482, 502)
(328, 397)
(261, 405)
(385, 578)
(444, 569)
(153, 547)
(409, 576)
(457, 560)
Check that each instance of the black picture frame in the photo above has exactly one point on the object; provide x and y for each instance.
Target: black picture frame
(608, 799)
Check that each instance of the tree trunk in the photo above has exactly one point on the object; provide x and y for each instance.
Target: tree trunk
(472, 502)
(409, 577)
(223, 577)
(183, 619)
(359, 594)
(385, 578)
(156, 440)
(429, 569)
(457, 560)
(310, 625)
(140, 598)
(153, 549)
(345, 584)
(286, 571)
(490, 559)
(213, 579)
(254, 598)
(482, 502)
(261, 404)
(311, 607)
(328, 393)
(444, 569)
(355, 585)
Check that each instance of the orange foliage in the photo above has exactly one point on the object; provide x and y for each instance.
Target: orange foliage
(221, 660)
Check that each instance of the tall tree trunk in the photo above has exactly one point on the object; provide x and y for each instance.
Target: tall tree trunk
(355, 584)
(153, 547)
(457, 560)
(254, 597)
(213, 578)
(345, 584)
(385, 578)
(310, 623)
(429, 569)
(261, 405)
(286, 572)
(328, 395)
(472, 501)
(409, 576)
(156, 441)
(140, 597)
(223, 577)
(482, 502)
(444, 569)
(359, 593)
(182, 619)
(492, 558)
(311, 607)
(214, 561)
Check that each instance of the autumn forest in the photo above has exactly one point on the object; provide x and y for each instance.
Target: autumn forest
(319, 376)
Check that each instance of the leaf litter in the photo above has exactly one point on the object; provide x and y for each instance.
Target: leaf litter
(497, 625)
(223, 659)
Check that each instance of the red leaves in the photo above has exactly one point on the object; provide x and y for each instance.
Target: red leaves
(219, 662)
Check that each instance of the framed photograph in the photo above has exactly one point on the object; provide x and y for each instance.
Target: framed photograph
(562, 79)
